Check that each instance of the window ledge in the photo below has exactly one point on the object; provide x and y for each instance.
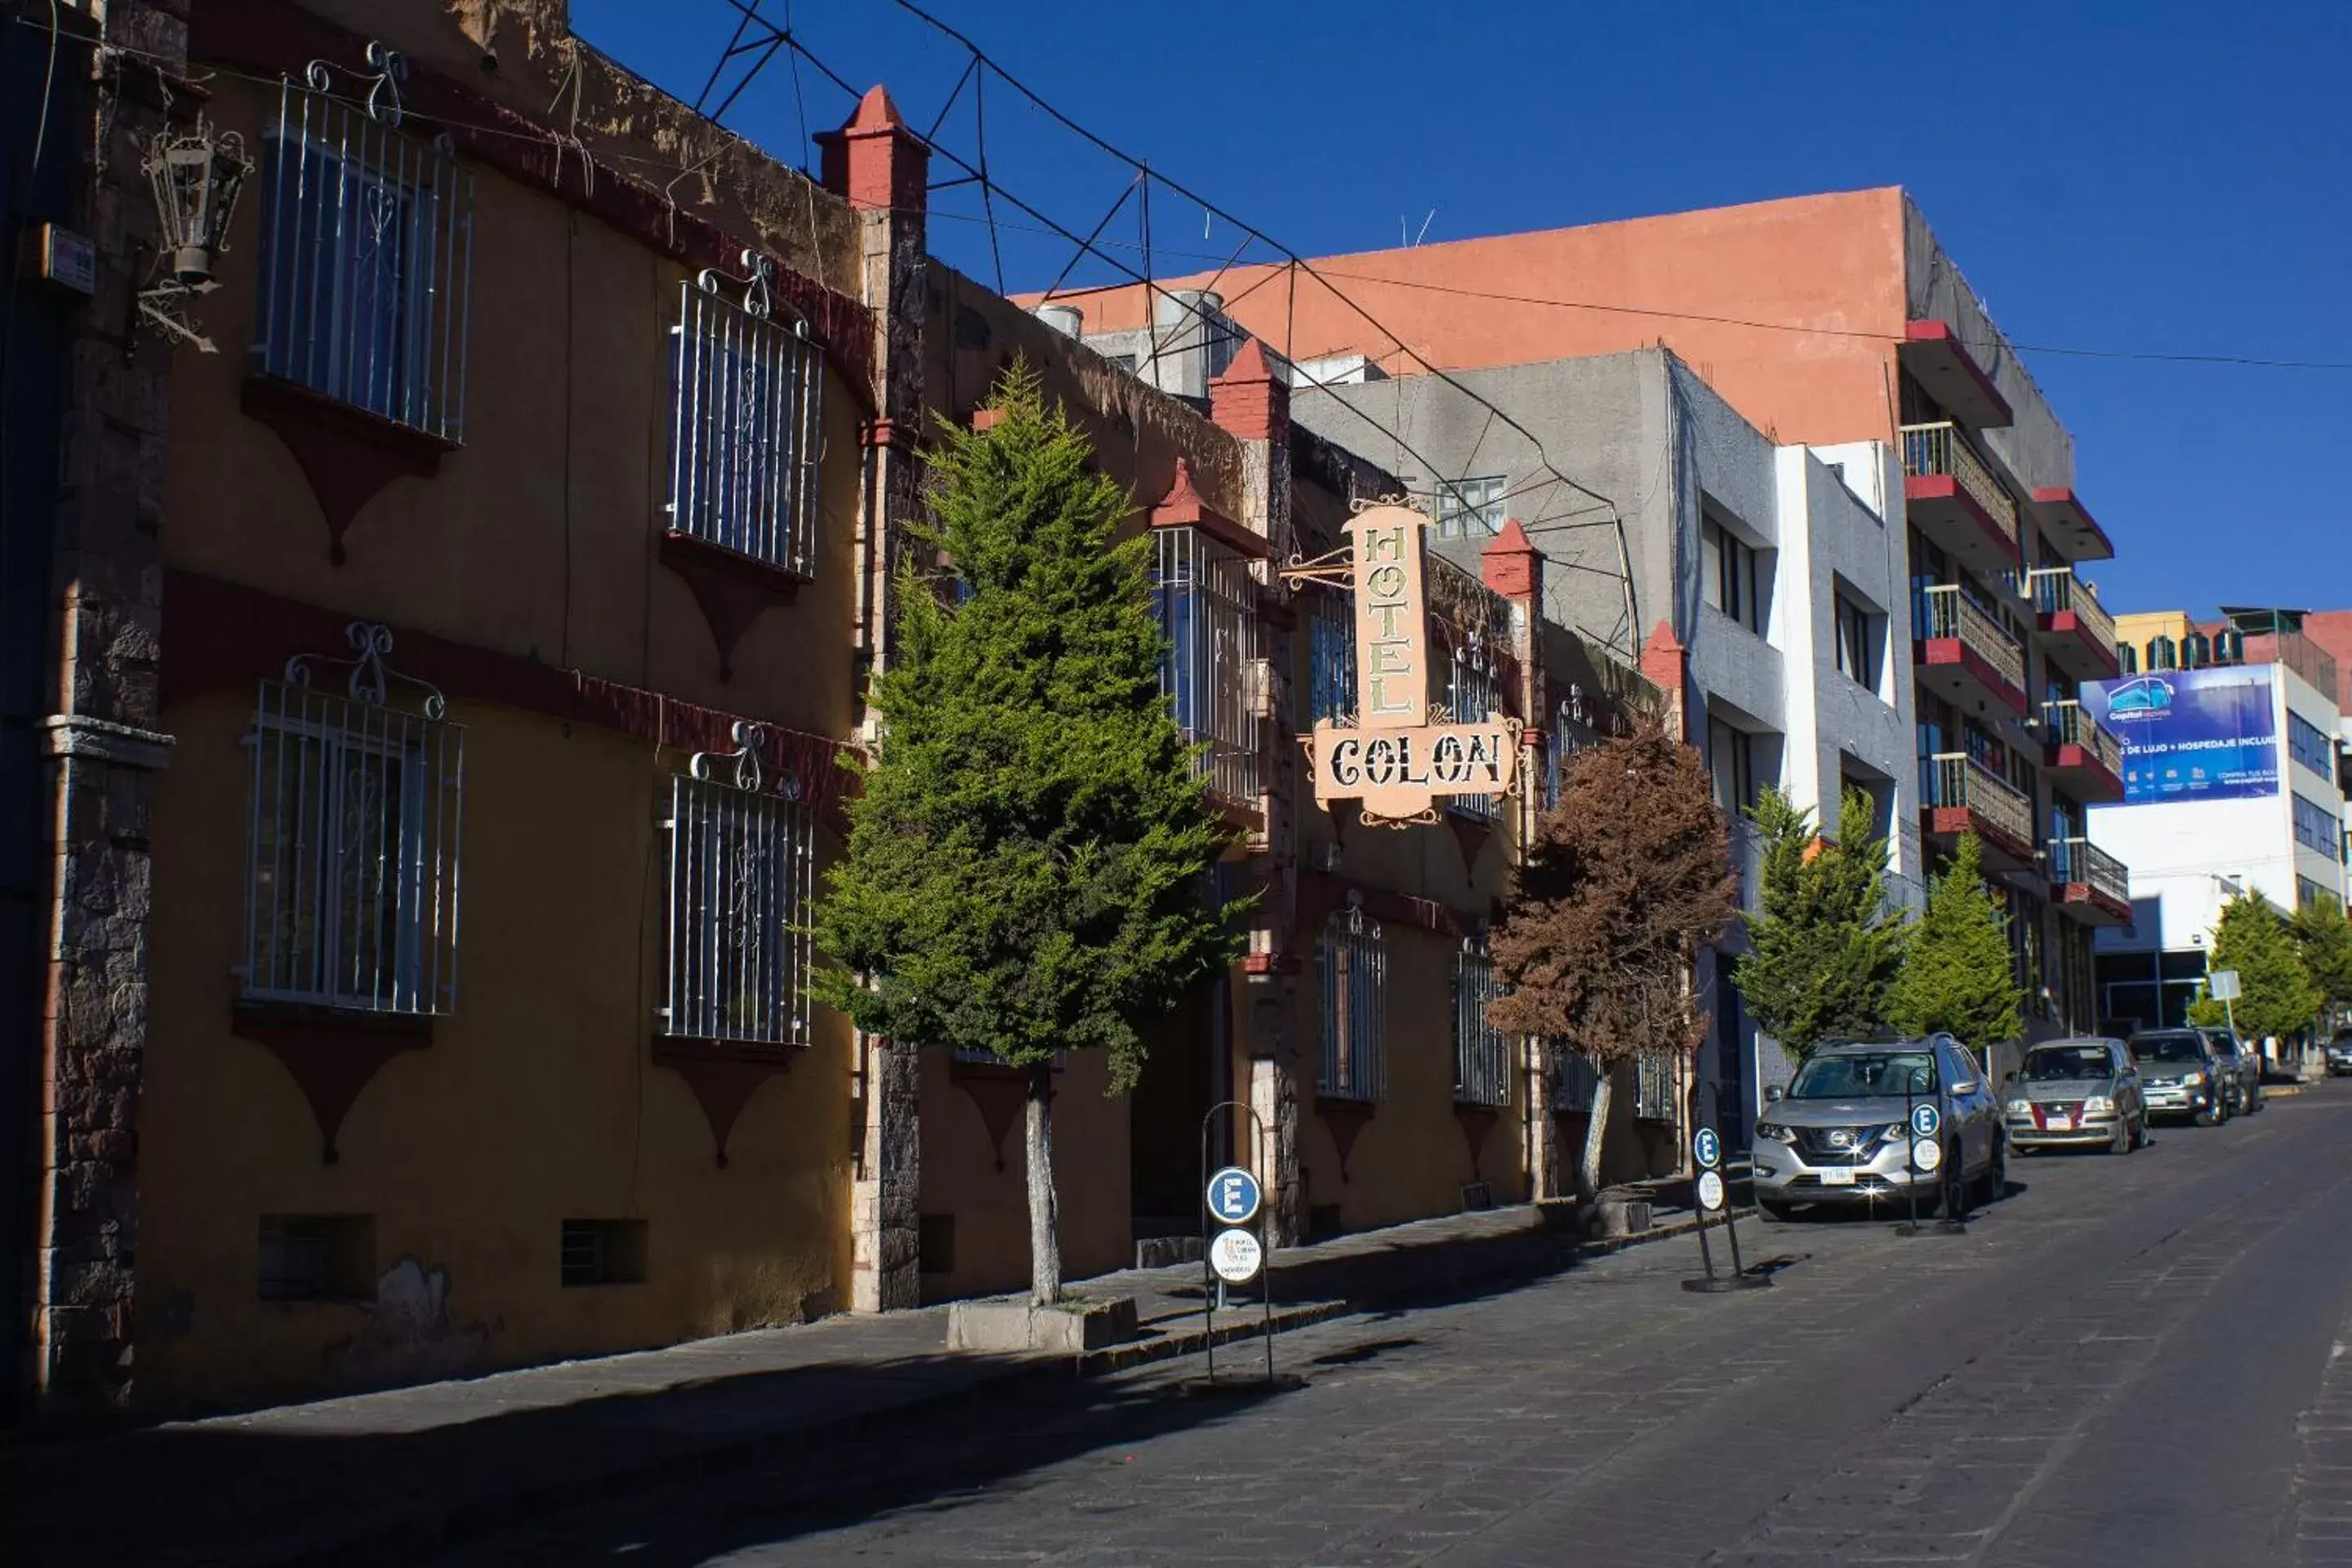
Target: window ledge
(723, 1074)
(331, 1053)
(732, 589)
(346, 453)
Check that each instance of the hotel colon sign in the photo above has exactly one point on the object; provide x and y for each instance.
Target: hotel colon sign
(1395, 760)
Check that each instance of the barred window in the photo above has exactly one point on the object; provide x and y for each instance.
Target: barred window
(1332, 657)
(1207, 603)
(1570, 733)
(1482, 1054)
(1473, 693)
(1469, 508)
(740, 864)
(1573, 1080)
(1653, 1088)
(745, 394)
(1352, 964)
(367, 258)
(351, 848)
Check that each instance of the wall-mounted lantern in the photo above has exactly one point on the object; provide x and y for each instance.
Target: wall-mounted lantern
(196, 175)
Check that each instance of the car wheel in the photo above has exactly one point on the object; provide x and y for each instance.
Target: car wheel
(2140, 1139)
(1996, 1177)
(2204, 1116)
(2123, 1143)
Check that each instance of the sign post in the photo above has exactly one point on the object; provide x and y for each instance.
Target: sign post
(1924, 1155)
(2222, 986)
(1233, 1246)
(1709, 1197)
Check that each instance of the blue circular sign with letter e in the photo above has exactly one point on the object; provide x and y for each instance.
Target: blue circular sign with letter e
(1707, 1149)
(1234, 1195)
(1925, 1119)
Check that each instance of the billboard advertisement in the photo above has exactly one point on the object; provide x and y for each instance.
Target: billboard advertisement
(2191, 734)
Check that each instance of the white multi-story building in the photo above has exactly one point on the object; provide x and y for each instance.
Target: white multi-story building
(2232, 774)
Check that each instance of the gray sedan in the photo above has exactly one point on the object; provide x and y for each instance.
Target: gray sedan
(2075, 1093)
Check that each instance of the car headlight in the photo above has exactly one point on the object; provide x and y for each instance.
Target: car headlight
(2098, 1105)
(2191, 1080)
(1778, 1131)
(2021, 1108)
(1890, 1133)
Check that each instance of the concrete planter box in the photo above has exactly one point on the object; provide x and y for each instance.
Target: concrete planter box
(1073, 1326)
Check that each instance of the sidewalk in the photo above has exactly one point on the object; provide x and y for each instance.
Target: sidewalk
(387, 1475)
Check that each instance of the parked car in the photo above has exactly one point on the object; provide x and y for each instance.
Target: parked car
(2339, 1054)
(2178, 1077)
(1839, 1135)
(2077, 1093)
(2244, 1065)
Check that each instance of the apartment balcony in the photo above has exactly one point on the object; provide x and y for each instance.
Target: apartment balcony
(1963, 796)
(2088, 883)
(1951, 495)
(1941, 364)
(2069, 526)
(1963, 655)
(2077, 631)
(2080, 755)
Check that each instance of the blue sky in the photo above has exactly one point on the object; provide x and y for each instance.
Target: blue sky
(2151, 177)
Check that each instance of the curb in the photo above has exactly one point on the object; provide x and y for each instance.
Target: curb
(429, 1529)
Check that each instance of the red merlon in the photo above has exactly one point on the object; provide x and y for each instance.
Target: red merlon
(1249, 400)
(875, 161)
(1512, 566)
(1662, 662)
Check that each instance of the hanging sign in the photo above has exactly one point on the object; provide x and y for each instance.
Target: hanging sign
(1394, 761)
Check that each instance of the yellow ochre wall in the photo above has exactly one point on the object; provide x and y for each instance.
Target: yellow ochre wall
(537, 1099)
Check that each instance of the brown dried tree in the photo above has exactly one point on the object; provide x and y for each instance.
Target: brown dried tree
(1627, 878)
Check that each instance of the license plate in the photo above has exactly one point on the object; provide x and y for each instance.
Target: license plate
(1837, 1178)
(2061, 1123)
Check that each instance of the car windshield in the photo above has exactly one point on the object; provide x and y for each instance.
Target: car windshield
(1865, 1075)
(2168, 1048)
(2052, 1063)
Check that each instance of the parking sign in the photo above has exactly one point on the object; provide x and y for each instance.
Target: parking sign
(1707, 1149)
(1234, 1195)
(1925, 1119)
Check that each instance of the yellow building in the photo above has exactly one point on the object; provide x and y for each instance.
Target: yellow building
(521, 555)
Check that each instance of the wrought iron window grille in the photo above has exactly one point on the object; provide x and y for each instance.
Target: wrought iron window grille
(1482, 1053)
(351, 856)
(367, 252)
(1351, 961)
(746, 394)
(1473, 693)
(741, 866)
(1206, 599)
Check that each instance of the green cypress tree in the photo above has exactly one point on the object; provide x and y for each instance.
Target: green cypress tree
(1957, 974)
(2324, 937)
(2276, 995)
(1825, 946)
(1026, 858)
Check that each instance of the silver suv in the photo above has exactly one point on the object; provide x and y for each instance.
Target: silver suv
(1838, 1134)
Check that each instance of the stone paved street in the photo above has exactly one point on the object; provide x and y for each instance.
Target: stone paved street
(2130, 1360)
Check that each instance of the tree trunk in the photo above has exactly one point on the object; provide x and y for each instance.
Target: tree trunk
(1588, 1170)
(1044, 1236)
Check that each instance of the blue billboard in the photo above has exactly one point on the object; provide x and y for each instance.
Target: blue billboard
(2191, 734)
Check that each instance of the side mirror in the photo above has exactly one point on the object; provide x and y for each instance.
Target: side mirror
(1966, 1086)
(1774, 1093)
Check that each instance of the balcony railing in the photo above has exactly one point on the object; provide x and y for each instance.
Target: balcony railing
(2056, 588)
(2080, 861)
(1938, 450)
(1945, 612)
(1956, 779)
(2070, 726)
